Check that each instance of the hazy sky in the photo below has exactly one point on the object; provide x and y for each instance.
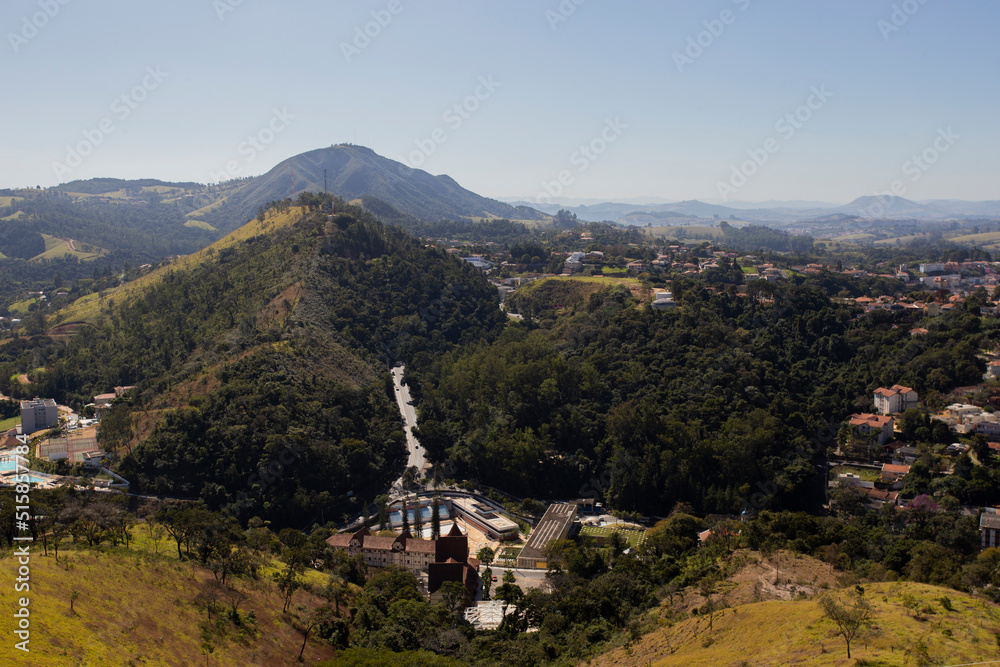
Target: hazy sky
(671, 99)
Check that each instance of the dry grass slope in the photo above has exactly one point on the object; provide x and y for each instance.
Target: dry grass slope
(769, 634)
(138, 609)
(87, 308)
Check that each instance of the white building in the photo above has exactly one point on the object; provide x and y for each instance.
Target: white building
(895, 399)
(38, 415)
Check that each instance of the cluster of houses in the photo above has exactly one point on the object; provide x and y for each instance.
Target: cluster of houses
(897, 456)
(967, 419)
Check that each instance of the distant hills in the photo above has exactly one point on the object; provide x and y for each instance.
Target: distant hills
(775, 212)
(356, 172)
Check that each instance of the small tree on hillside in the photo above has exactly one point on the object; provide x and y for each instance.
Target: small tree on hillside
(853, 619)
(288, 581)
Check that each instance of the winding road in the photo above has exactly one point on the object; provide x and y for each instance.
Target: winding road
(415, 452)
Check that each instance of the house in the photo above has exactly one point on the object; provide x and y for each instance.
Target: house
(94, 458)
(878, 427)
(893, 474)
(989, 528)
(850, 479)
(104, 400)
(989, 427)
(443, 559)
(905, 455)
(664, 303)
(918, 331)
(894, 400)
(38, 415)
(993, 369)
(878, 497)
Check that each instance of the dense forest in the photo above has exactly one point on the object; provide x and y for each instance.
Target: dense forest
(699, 404)
(275, 348)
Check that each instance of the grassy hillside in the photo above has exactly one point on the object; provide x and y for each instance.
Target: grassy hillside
(796, 633)
(199, 225)
(56, 247)
(88, 308)
(566, 294)
(138, 606)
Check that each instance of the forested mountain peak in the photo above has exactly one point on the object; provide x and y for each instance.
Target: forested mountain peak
(356, 172)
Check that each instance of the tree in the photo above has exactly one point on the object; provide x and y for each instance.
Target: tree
(306, 621)
(382, 503)
(435, 518)
(418, 518)
(288, 581)
(486, 555)
(853, 619)
(454, 596)
(487, 583)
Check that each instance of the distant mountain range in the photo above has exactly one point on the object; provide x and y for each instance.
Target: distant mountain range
(774, 212)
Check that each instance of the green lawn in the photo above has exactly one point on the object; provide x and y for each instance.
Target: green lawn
(633, 536)
(7, 424)
(865, 474)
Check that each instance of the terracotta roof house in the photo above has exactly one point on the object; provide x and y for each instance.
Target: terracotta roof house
(895, 399)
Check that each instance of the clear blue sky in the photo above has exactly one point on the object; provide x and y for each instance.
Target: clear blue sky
(558, 87)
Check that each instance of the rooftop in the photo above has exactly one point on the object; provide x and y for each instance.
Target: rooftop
(551, 526)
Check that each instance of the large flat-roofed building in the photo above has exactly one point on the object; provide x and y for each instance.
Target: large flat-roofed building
(554, 525)
(486, 518)
(38, 415)
(443, 559)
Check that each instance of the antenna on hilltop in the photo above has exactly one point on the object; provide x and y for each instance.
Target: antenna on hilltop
(293, 183)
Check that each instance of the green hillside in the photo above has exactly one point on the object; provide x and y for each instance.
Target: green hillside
(272, 342)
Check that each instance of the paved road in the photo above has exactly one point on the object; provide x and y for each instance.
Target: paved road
(409, 414)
